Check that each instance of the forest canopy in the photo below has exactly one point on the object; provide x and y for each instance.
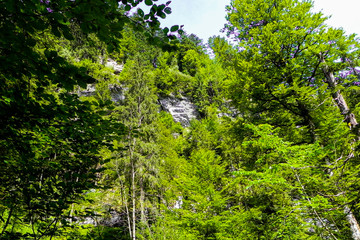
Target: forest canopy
(90, 150)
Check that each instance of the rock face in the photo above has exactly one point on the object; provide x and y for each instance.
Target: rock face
(114, 65)
(117, 92)
(111, 219)
(88, 92)
(180, 108)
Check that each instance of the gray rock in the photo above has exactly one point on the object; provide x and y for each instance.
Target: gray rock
(89, 91)
(110, 219)
(180, 108)
(114, 219)
(117, 93)
(114, 65)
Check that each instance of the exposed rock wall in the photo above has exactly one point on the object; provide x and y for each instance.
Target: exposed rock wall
(114, 65)
(117, 92)
(110, 219)
(88, 91)
(180, 108)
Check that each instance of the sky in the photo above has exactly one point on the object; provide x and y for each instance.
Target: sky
(344, 14)
(206, 18)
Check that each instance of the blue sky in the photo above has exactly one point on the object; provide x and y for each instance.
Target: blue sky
(205, 18)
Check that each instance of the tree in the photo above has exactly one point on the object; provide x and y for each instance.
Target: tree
(286, 55)
(137, 167)
(50, 140)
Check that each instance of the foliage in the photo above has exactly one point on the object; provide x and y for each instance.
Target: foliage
(280, 80)
(50, 140)
(270, 157)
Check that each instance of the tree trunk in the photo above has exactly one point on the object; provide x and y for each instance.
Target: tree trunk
(354, 226)
(133, 184)
(142, 204)
(7, 220)
(133, 200)
(339, 99)
(351, 120)
(132, 187)
(125, 201)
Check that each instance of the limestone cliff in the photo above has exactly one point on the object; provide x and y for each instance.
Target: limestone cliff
(181, 108)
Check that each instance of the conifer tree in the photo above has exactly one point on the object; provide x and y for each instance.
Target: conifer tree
(138, 165)
(286, 63)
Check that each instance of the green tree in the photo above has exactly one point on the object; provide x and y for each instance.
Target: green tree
(49, 139)
(202, 201)
(138, 165)
(285, 69)
(168, 78)
(197, 198)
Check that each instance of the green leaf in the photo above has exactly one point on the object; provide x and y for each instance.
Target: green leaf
(148, 35)
(162, 15)
(9, 4)
(82, 84)
(110, 48)
(67, 34)
(5, 99)
(58, 17)
(167, 10)
(140, 12)
(127, 8)
(172, 37)
(154, 9)
(161, 7)
(148, 2)
(174, 28)
(166, 30)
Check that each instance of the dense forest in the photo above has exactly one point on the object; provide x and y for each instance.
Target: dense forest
(89, 151)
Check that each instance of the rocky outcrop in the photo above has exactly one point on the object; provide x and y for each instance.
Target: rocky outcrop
(181, 108)
(114, 65)
(88, 91)
(110, 219)
(117, 93)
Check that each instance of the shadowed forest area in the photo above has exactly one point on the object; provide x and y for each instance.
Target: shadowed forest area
(114, 128)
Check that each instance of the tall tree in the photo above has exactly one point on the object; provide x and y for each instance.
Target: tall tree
(285, 68)
(49, 139)
(140, 162)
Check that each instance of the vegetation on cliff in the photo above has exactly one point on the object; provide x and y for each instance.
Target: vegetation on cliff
(272, 155)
